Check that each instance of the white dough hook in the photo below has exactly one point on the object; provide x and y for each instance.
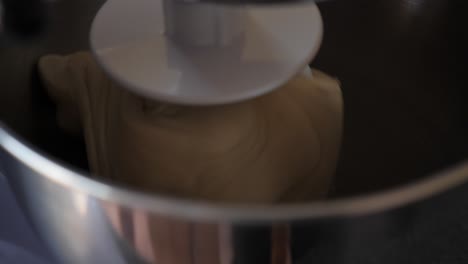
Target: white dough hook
(204, 54)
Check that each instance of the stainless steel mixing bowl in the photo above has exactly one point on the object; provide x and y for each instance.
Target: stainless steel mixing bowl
(401, 186)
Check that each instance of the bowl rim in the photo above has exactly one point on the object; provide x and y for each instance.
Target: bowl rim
(54, 170)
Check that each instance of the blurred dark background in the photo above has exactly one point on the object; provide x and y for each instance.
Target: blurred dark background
(401, 64)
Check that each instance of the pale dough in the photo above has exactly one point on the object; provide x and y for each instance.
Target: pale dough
(280, 147)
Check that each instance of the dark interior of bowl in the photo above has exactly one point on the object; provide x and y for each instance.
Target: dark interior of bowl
(401, 64)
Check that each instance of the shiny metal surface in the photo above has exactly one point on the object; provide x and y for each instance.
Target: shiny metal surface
(84, 221)
(401, 64)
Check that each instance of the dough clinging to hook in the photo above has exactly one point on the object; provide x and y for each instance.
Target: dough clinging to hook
(279, 147)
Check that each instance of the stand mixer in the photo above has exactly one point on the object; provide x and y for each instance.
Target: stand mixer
(406, 120)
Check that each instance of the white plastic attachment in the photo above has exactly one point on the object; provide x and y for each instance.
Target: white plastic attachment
(202, 54)
(202, 24)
